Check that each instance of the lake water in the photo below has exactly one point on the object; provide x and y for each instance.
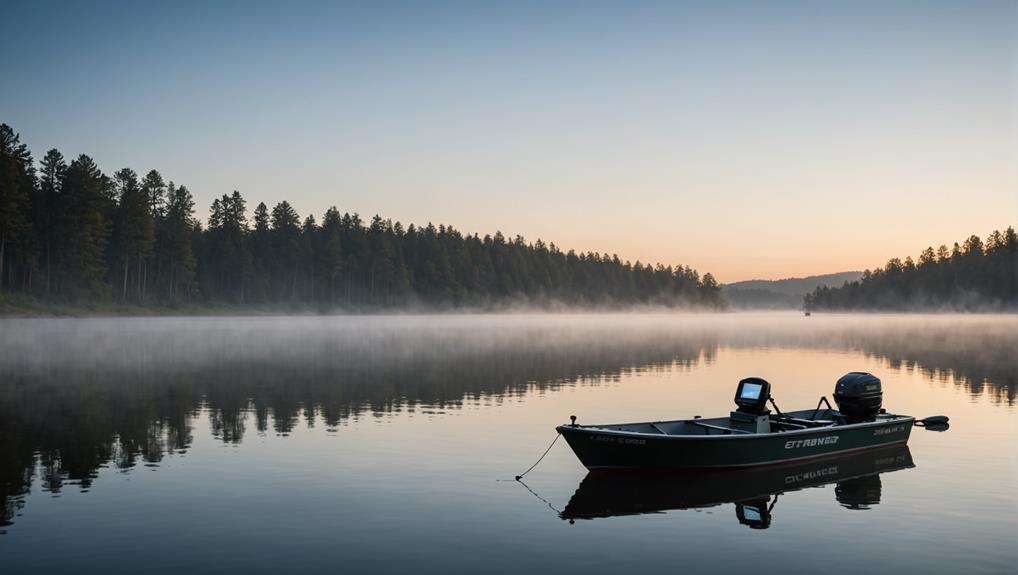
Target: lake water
(377, 444)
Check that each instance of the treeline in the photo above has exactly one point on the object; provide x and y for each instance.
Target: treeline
(974, 276)
(70, 233)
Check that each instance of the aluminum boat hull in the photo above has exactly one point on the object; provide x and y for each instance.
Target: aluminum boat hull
(611, 447)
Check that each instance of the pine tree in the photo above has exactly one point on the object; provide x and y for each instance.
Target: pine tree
(48, 209)
(230, 264)
(17, 181)
(154, 188)
(308, 254)
(134, 227)
(332, 249)
(176, 243)
(261, 254)
(86, 228)
(286, 247)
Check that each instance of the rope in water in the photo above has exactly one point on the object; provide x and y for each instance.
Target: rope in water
(520, 476)
(534, 493)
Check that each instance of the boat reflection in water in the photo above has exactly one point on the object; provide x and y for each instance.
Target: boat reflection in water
(754, 492)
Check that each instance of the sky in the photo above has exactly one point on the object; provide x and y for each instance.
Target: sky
(747, 139)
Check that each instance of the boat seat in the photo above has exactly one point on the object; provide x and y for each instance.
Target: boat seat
(658, 429)
(810, 422)
(726, 430)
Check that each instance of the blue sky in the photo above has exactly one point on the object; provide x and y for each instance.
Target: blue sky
(751, 139)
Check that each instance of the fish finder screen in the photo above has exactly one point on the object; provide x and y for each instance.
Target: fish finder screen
(750, 391)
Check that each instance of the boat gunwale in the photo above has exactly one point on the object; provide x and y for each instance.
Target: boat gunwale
(894, 419)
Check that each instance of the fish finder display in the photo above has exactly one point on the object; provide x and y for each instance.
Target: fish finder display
(751, 395)
(750, 391)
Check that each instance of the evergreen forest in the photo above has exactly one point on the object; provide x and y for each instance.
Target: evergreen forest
(976, 275)
(71, 234)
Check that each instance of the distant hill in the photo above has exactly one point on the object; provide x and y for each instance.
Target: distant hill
(780, 294)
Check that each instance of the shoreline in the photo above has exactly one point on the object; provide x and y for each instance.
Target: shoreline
(126, 311)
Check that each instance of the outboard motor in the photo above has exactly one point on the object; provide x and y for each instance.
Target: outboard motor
(859, 396)
(859, 493)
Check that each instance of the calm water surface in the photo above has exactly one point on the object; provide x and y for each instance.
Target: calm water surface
(376, 444)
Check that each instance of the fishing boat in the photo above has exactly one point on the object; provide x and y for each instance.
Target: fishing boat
(751, 435)
(754, 491)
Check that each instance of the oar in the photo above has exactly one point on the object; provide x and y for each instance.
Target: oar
(934, 423)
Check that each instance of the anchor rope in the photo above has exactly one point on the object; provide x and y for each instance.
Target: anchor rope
(520, 476)
(546, 502)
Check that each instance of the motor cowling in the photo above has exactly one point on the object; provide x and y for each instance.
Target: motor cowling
(859, 396)
(858, 493)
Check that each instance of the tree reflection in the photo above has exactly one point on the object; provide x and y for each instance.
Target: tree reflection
(62, 421)
(111, 396)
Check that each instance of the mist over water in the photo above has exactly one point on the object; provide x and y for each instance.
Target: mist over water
(327, 440)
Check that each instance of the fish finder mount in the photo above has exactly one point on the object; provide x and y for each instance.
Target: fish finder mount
(752, 415)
